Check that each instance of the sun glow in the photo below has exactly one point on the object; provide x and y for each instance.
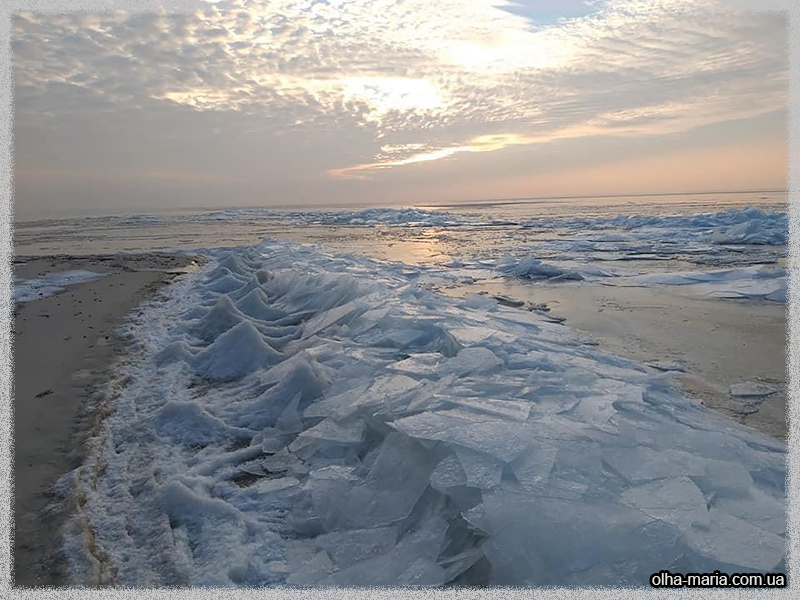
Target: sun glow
(385, 94)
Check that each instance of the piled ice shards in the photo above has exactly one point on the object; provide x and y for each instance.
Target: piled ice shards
(305, 419)
(749, 226)
(532, 268)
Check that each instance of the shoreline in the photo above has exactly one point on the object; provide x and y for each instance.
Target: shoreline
(64, 346)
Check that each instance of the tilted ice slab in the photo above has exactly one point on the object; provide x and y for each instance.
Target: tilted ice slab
(394, 436)
(26, 290)
(530, 267)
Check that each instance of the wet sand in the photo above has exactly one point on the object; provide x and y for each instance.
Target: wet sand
(63, 346)
(717, 342)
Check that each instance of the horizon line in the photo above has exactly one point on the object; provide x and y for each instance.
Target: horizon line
(522, 199)
(45, 214)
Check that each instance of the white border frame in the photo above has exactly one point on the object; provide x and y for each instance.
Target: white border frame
(11, 7)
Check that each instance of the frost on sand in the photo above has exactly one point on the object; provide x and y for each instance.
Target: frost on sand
(298, 418)
(26, 290)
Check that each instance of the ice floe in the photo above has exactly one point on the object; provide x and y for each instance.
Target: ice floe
(744, 283)
(302, 418)
(26, 290)
(530, 267)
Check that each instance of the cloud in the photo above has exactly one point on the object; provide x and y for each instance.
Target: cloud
(412, 80)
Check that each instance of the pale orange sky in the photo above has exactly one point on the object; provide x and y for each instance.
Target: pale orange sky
(761, 165)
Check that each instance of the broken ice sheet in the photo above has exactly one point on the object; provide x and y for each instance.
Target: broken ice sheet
(677, 501)
(397, 479)
(289, 420)
(266, 486)
(334, 472)
(471, 335)
(350, 546)
(533, 466)
(423, 364)
(730, 541)
(332, 317)
(534, 538)
(422, 572)
(471, 360)
(283, 461)
(188, 423)
(751, 389)
(237, 352)
(448, 473)
(597, 410)
(344, 432)
(757, 508)
(312, 571)
(512, 409)
(386, 390)
(666, 366)
(337, 404)
(640, 464)
(481, 470)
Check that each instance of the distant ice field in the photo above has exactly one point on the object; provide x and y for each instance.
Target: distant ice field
(741, 251)
(688, 228)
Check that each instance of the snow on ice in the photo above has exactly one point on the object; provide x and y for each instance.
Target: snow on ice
(301, 418)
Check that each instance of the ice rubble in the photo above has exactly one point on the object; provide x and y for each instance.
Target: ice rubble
(755, 231)
(26, 290)
(392, 436)
(748, 226)
(407, 217)
(737, 226)
(744, 226)
(533, 268)
(530, 267)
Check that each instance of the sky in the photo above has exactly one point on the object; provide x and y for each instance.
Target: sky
(383, 102)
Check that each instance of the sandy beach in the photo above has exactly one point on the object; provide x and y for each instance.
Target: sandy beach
(64, 345)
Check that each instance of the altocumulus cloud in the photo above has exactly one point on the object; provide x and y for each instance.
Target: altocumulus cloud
(401, 81)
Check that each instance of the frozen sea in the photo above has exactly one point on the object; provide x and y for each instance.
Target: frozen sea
(417, 234)
(341, 397)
